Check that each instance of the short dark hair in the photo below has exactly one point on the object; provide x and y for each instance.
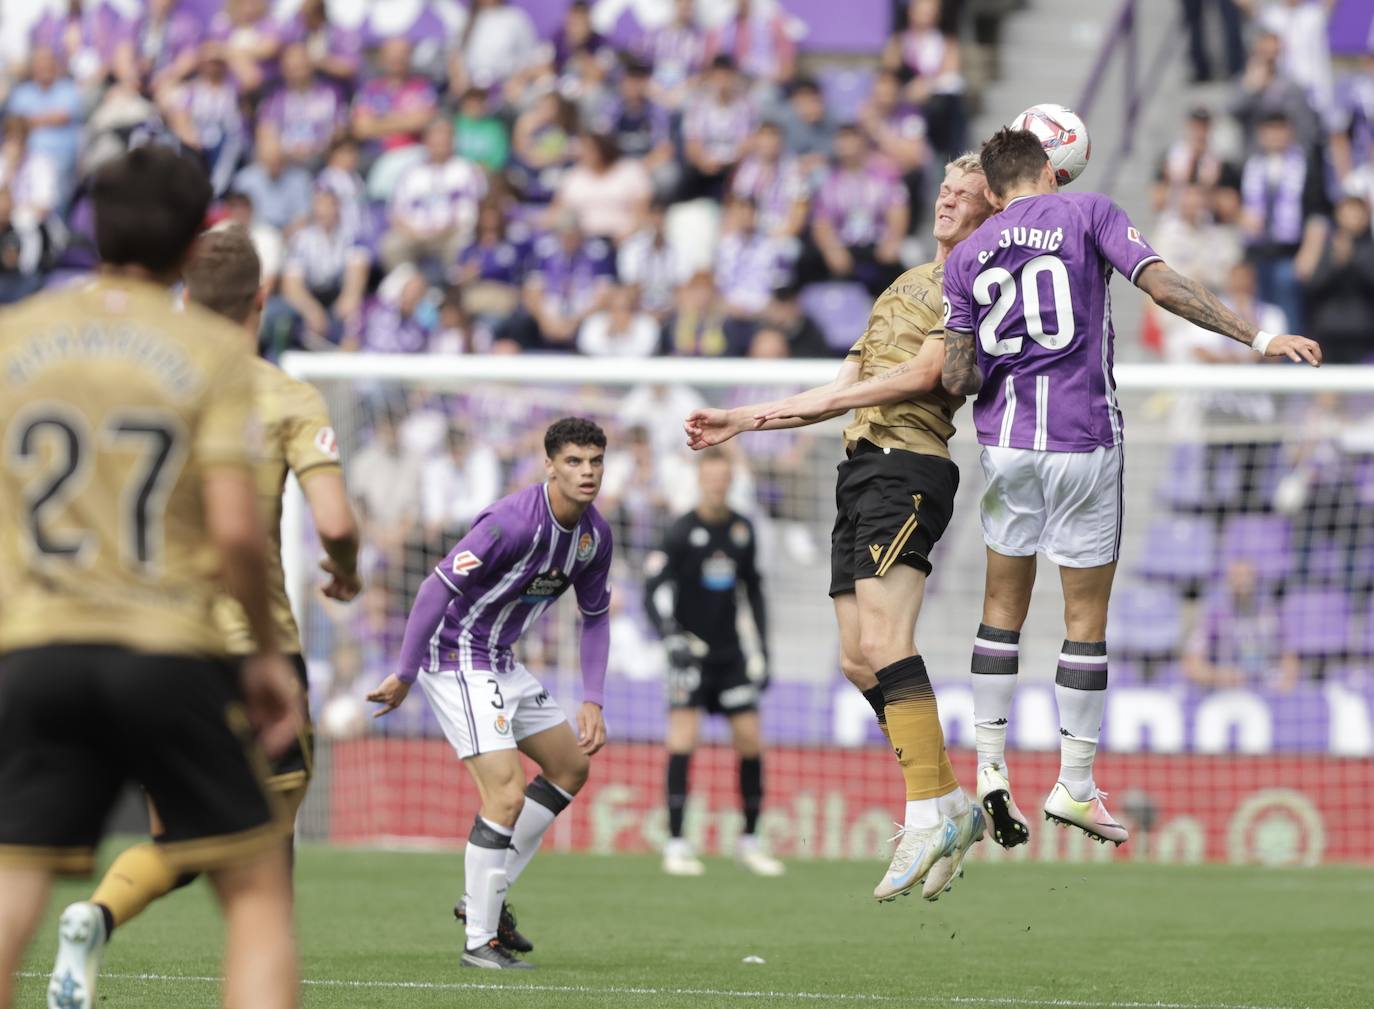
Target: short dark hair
(1012, 156)
(149, 207)
(225, 273)
(572, 431)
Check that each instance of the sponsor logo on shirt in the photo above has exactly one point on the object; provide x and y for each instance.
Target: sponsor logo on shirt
(326, 442)
(545, 586)
(718, 573)
(739, 534)
(586, 546)
(465, 562)
(698, 537)
(1134, 236)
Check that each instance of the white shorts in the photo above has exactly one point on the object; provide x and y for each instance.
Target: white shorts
(482, 711)
(1066, 505)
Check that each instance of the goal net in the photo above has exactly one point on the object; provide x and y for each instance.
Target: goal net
(1240, 718)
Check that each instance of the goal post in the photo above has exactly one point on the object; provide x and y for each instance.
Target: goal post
(1240, 719)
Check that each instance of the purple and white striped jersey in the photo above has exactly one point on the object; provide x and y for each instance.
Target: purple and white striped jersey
(513, 564)
(1032, 283)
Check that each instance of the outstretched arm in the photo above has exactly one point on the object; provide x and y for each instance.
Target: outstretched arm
(902, 382)
(713, 426)
(1190, 300)
(961, 375)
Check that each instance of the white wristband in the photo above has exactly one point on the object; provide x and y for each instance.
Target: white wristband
(1261, 341)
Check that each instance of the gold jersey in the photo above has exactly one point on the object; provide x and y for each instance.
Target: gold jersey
(296, 437)
(113, 406)
(904, 317)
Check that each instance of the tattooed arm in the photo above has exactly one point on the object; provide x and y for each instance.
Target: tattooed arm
(1190, 300)
(961, 375)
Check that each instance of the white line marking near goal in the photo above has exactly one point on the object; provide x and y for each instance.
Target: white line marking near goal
(807, 996)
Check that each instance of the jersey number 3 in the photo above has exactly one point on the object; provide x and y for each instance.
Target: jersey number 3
(997, 287)
(153, 438)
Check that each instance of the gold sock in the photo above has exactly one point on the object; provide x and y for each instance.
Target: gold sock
(139, 876)
(948, 782)
(913, 726)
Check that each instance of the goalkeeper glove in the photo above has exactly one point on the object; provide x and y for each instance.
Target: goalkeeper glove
(756, 668)
(685, 650)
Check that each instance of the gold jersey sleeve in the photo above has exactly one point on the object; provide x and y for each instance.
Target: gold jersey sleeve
(904, 317)
(297, 438)
(114, 404)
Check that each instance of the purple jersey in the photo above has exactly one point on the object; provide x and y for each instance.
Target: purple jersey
(306, 120)
(514, 563)
(1048, 382)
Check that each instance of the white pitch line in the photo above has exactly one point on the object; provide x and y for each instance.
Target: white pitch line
(807, 996)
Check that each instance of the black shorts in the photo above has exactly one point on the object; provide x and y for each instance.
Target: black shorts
(891, 507)
(77, 721)
(717, 686)
(294, 768)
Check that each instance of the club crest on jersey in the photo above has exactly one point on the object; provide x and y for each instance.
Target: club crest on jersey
(327, 442)
(739, 534)
(465, 562)
(698, 537)
(586, 546)
(502, 725)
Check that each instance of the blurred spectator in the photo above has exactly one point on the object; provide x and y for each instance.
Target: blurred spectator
(860, 218)
(676, 54)
(697, 327)
(1188, 161)
(250, 38)
(340, 176)
(1305, 56)
(434, 206)
(586, 82)
(404, 317)
(1240, 292)
(1199, 40)
(385, 482)
(929, 58)
(51, 108)
(898, 132)
(1352, 140)
(305, 115)
(267, 240)
(716, 128)
(489, 268)
(432, 27)
(648, 260)
(621, 329)
(499, 45)
(641, 129)
(83, 38)
(1238, 640)
(334, 51)
(160, 49)
(776, 184)
(786, 315)
(808, 133)
(542, 147)
(31, 178)
(1264, 88)
(478, 134)
(326, 276)
(281, 193)
(457, 485)
(1339, 287)
(1191, 240)
(576, 36)
(758, 39)
(750, 265)
(570, 278)
(1283, 191)
(607, 194)
(390, 113)
(23, 249)
(456, 334)
(203, 113)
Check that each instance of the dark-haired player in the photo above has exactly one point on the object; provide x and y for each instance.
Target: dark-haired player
(224, 276)
(520, 555)
(1032, 283)
(128, 504)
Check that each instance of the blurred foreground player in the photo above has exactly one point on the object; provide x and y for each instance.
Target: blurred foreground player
(520, 555)
(224, 277)
(1033, 283)
(128, 506)
(894, 495)
(707, 554)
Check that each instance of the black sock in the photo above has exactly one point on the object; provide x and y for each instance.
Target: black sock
(751, 790)
(108, 916)
(677, 790)
(874, 696)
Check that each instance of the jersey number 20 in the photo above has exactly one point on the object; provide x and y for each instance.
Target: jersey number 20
(997, 287)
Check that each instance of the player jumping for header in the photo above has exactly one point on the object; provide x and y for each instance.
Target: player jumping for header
(1032, 282)
(520, 555)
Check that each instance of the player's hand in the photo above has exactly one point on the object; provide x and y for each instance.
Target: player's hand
(272, 695)
(707, 427)
(391, 695)
(803, 406)
(685, 650)
(342, 585)
(591, 728)
(1297, 349)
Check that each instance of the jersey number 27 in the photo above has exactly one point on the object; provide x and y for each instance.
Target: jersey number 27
(997, 287)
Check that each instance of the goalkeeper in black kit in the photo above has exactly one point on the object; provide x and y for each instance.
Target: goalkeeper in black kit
(691, 596)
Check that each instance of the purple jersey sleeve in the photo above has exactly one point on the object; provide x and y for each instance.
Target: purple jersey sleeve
(1118, 240)
(427, 612)
(480, 558)
(594, 600)
(593, 583)
(958, 307)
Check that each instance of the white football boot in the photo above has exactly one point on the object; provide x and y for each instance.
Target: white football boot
(918, 849)
(1089, 816)
(80, 941)
(941, 876)
(680, 860)
(749, 853)
(1009, 827)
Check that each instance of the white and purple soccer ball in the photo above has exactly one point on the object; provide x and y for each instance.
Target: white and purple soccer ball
(1063, 135)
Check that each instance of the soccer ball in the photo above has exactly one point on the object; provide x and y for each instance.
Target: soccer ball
(1062, 134)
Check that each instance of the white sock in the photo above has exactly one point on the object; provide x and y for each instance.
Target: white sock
(1076, 766)
(1080, 690)
(484, 879)
(543, 802)
(922, 813)
(996, 660)
(953, 803)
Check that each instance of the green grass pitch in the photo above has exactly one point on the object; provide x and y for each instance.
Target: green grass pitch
(376, 931)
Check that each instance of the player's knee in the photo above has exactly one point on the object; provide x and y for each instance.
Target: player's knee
(858, 672)
(502, 805)
(880, 647)
(572, 775)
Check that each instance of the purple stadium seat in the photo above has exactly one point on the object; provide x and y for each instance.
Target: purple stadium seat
(845, 90)
(1186, 486)
(840, 309)
(1178, 548)
(1260, 540)
(1144, 621)
(1316, 622)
